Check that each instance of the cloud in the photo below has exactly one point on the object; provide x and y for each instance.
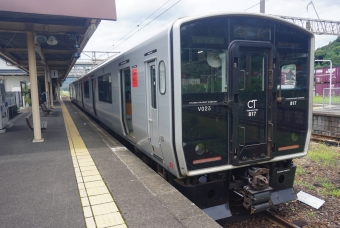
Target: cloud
(131, 13)
(322, 40)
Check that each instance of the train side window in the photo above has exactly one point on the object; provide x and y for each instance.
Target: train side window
(104, 88)
(288, 76)
(86, 89)
(162, 82)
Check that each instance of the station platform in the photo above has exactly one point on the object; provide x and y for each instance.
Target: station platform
(81, 176)
(326, 109)
(326, 120)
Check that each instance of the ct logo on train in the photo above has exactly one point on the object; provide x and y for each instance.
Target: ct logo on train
(252, 108)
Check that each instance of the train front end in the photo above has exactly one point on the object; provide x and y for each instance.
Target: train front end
(244, 105)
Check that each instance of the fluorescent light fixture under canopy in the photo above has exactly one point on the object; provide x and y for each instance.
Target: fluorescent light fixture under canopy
(52, 40)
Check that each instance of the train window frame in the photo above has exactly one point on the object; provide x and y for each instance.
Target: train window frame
(105, 86)
(87, 89)
(162, 77)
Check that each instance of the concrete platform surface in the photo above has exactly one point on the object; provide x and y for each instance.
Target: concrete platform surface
(332, 110)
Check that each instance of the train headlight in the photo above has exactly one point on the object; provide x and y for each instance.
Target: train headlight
(294, 137)
(202, 179)
(199, 149)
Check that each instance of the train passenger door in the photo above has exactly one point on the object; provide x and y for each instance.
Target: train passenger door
(126, 97)
(153, 110)
(253, 101)
(93, 85)
(81, 94)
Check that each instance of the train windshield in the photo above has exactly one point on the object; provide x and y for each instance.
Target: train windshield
(203, 75)
(250, 62)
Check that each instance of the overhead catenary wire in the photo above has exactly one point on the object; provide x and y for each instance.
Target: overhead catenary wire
(115, 45)
(323, 8)
(147, 24)
(154, 12)
(142, 21)
(254, 6)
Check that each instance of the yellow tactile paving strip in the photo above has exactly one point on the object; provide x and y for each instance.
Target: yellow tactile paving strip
(98, 206)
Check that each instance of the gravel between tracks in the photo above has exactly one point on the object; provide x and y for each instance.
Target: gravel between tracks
(310, 180)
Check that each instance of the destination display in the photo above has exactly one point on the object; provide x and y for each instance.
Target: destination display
(251, 33)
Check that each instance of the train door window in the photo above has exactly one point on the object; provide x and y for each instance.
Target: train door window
(162, 79)
(86, 89)
(153, 86)
(252, 65)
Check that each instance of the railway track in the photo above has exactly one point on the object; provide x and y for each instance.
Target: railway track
(335, 141)
(277, 220)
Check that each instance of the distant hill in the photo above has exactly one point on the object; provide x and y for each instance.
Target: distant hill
(329, 52)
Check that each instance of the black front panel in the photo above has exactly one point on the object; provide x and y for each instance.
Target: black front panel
(293, 84)
(246, 130)
(204, 119)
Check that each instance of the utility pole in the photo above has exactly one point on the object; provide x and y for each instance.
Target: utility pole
(311, 3)
(262, 6)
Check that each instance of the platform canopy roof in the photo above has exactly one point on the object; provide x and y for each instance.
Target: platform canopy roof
(58, 26)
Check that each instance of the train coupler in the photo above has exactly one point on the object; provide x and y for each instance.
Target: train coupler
(257, 193)
(257, 200)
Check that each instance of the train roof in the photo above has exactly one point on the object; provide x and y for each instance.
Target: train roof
(196, 17)
(260, 15)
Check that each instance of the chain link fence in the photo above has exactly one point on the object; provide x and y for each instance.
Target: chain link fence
(326, 111)
(329, 98)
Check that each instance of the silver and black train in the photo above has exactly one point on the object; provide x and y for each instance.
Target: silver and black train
(220, 103)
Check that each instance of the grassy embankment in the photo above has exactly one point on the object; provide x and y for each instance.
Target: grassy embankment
(318, 100)
(329, 158)
(65, 93)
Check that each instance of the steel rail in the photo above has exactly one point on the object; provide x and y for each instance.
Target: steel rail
(326, 139)
(277, 220)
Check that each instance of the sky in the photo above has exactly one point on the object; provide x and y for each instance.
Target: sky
(137, 20)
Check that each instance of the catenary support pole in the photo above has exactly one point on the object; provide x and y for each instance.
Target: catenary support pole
(262, 6)
(32, 65)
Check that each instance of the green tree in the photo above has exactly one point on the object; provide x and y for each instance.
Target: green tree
(329, 52)
(320, 54)
(337, 50)
(27, 95)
